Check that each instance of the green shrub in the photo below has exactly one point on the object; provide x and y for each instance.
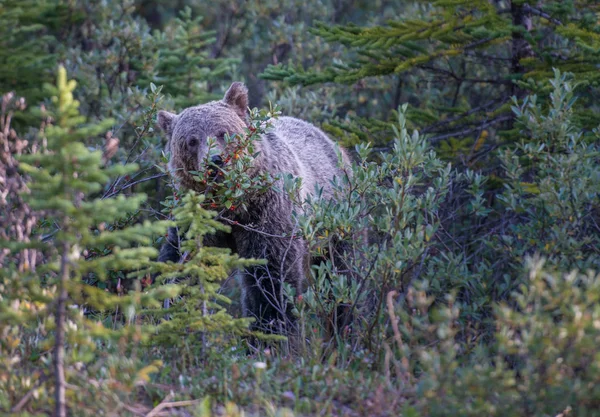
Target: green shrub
(542, 362)
(553, 184)
(378, 234)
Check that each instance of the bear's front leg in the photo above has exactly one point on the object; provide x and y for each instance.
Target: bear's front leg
(263, 296)
(169, 251)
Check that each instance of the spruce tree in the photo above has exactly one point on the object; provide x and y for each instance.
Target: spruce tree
(65, 178)
(82, 237)
(185, 65)
(24, 40)
(459, 63)
(199, 309)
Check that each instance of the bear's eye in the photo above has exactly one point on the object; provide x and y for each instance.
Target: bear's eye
(192, 142)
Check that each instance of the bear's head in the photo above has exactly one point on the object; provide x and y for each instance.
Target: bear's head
(188, 132)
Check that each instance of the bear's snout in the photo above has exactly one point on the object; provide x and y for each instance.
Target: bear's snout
(214, 170)
(217, 160)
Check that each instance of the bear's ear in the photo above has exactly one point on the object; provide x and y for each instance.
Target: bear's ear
(165, 121)
(237, 97)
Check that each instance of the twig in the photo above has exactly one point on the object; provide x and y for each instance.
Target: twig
(250, 229)
(459, 133)
(134, 410)
(538, 12)
(462, 79)
(173, 404)
(467, 131)
(483, 108)
(390, 305)
(361, 285)
(27, 396)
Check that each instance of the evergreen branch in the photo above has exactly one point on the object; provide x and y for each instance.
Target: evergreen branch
(481, 42)
(462, 79)
(29, 394)
(483, 56)
(468, 131)
(434, 127)
(535, 11)
(459, 133)
(538, 12)
(250, 229)
(166, 404)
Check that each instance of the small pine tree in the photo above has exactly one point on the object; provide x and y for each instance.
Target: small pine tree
(185, 65)
(200, 273)
(64, 175)
(65, 180)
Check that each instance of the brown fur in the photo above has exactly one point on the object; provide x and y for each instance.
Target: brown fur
(292, 146)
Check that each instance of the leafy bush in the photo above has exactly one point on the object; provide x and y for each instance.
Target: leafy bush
(542, 360)
(380, 247)
(553, 184)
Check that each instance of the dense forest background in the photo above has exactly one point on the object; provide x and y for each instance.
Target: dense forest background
(471, 220)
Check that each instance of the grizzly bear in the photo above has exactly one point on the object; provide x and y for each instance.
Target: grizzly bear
(292, 146)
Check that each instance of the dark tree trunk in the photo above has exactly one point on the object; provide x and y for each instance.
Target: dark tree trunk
(521, 21)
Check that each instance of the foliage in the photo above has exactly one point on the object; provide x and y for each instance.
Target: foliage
(548, 206)
(542, 361)
(18, 220)
(25, 59)
(233, 183)
(383, 245)
(459, 63)
(52, 299)
(260, 33)
(560, 200)
(427, 295)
